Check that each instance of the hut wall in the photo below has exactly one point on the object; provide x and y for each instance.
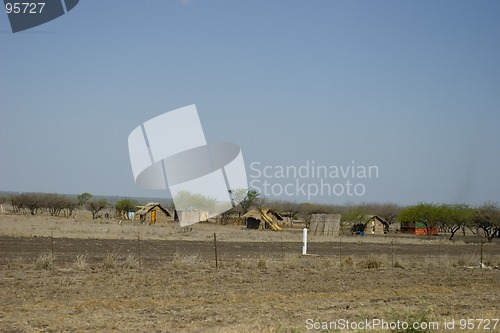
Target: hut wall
(374, 227)
(325, 225)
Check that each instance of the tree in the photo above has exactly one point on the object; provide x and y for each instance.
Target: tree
(425, 213)
(306, 210)
(123, 206)
(83, 199)
(185, 200)
(3, 199)
(95, 206)
(388, 211)
(453, 217)
(286, 208)
(487, 218)
(246, 198)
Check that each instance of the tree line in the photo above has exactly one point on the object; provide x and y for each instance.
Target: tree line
(482, 220)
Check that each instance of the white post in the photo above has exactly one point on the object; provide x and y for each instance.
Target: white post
(1, 208)
(304, 247)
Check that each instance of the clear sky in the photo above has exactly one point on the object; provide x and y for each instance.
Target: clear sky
(412, 87)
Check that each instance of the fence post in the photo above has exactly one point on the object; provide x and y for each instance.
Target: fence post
(304, 240)
(215, 247)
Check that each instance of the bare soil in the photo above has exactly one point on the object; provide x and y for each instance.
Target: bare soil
(96, 284)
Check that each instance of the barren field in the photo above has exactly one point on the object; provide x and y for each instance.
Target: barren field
(109, 276)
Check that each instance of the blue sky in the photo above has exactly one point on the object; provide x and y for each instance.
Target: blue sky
(411, 87)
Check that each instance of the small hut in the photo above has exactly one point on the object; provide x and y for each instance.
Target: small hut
(192, 216)
(376, 226)
(152, 213)
(417, 228)
(263, 218)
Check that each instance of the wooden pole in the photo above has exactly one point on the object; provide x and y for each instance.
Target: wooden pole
(215, 248)
(482, 254)
(139, 250)
(282, 252)
(392, 253)
(52, 244)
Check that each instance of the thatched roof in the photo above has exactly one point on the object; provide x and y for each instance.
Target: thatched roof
(150, 206)
(266, 218)
(378, 218)
(256, 214)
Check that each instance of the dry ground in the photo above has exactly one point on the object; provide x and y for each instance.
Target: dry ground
(87, 279)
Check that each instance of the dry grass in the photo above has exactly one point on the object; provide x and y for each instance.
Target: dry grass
(81, 262)
(110, 262)
(372, 262)
(194, 297)
(45, 261)
(184, 261)
(261, 287)
(131, 263)
(291, 261)
(16, 263)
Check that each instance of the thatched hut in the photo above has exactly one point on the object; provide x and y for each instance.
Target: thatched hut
(263, 218)
(376, 226)
(151, 213)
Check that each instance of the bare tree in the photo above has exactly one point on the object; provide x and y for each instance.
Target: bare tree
(95, 206)
(487, 218)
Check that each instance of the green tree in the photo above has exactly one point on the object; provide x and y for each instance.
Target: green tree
(452, 218)
(83, 198)
(185, 200)
(95, 206)
(487, 218)
(123, 206)
(246, 198)
(425, 213)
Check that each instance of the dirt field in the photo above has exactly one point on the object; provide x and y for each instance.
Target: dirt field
(103, 277)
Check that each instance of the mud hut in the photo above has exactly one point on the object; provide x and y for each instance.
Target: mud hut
(152, 213)
(376, 226)
(263, 218)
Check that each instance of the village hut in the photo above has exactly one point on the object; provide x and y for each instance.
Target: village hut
(263, 218)
(418, 228)
(376, 226)
(190, 216)
(152, 213)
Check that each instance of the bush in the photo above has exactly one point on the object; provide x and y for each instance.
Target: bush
(123, 206)
(131, 263)
(35, 203)
(372, 262)
(262, 263)
(81, 262)
(45, 261)
(109, 262)
(184, 261)
(347, 263)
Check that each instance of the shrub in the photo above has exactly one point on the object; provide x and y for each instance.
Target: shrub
(45, 261)
(372, 262)
(81, 262)
(131, 262)
(109, 262)
(347, 263)
(184, 261)
(262, 263)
